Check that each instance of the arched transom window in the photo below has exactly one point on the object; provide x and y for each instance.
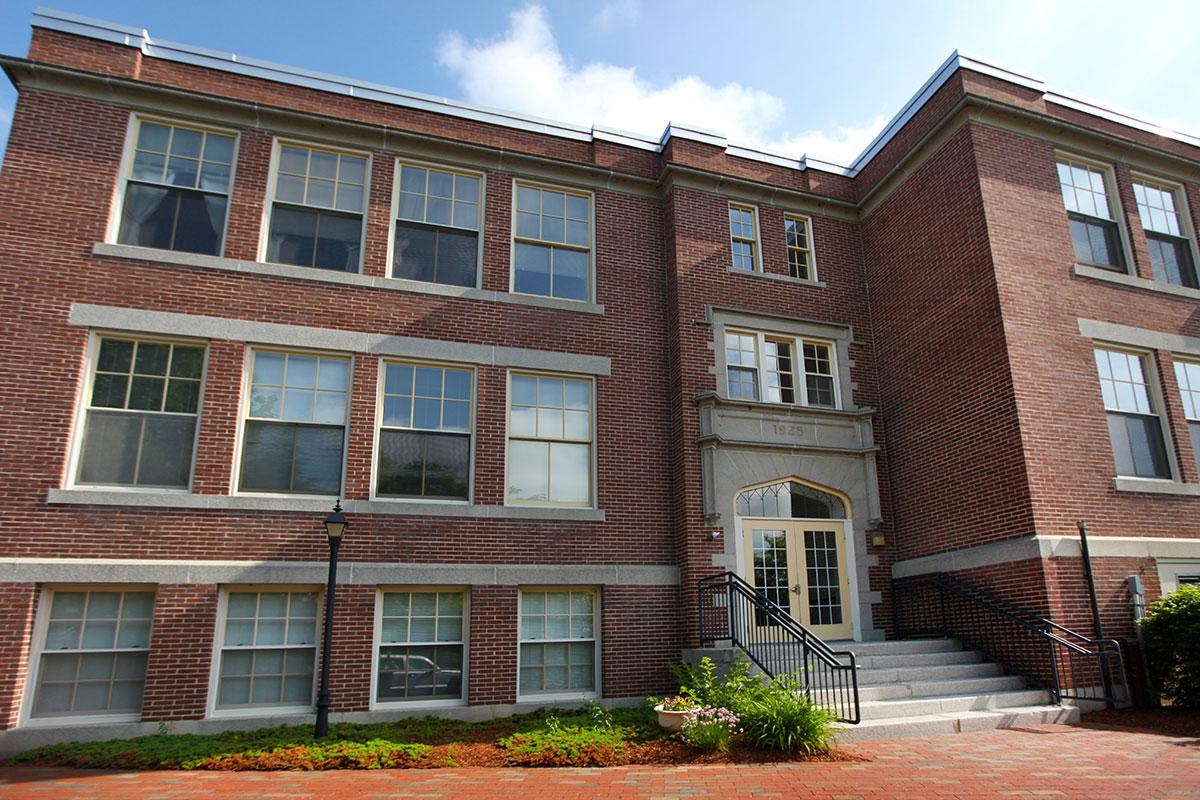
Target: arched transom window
(790, 499)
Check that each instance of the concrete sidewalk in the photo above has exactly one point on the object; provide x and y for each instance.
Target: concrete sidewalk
(1051, 761)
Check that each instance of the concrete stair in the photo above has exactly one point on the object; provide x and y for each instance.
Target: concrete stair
(926, 687)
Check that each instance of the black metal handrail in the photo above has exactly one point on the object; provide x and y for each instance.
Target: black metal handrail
(1048, 655)
(731, 609)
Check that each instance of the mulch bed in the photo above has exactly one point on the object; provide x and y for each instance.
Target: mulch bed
(1170, 721)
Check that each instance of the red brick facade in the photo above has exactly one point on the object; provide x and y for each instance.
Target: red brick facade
(969, 417)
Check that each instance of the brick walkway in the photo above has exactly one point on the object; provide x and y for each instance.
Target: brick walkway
(1041, 762)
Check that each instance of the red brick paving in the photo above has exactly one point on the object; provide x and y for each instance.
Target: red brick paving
(1040, 762)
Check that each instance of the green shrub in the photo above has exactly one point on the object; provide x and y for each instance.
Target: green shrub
(784, 718)
(1171, 630)
(566, 746)
(775, 715)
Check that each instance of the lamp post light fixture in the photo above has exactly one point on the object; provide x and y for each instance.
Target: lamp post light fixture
(335, 527)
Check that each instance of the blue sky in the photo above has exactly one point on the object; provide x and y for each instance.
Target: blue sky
(792, 77)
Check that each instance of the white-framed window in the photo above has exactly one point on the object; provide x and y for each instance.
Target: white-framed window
(438, 216)
(743, 237)
(425, 432)
(1134, 425)
(140, 411)
(421, 645)
(177, 183)
(1166, 233)
(558, 647)
(295, 425)
(318, 206)
(550, 436)
(1187, 375)
(1088, 194)
(90, 653)
(552, 242)
(798, 231)
(267, 649)
(780, 369)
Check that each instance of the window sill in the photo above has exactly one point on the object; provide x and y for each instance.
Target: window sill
(1134, 282)
(1156, 486)
(771, 276)
(344, 278)
(79, 721)
(214, 502)
(789, 409)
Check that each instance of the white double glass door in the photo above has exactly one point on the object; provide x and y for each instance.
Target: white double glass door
(801, 566)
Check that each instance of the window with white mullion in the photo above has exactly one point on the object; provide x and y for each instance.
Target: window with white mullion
(1133, 423)
(421, 645)
(317, 209)
(743, 237)
(794, 371)
(552, 243)
(437, 225)
(1170, 248)
(140, 420)
(425, 439)
(558, 643)
(268, 649)
(177, 189)
(550, 438)
(1092, 218)
(93, 653)
(1187, 374)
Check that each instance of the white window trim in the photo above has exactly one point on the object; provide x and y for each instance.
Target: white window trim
(813, 277)
(264, 235)
(758, 258)
(244, 416)
(391, 248)
(513, 240)
(1186, 229)
(1154, 391)
(117, 204)
(377, 642)
(798, 341)
(25, 718)
(1115, 208)
(214, 672)
(593, 444)
(378, 423)
(83, 402)
(597, 643)
(1170, 570)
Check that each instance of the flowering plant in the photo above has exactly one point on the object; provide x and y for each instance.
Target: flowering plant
(710, 728)
(677, 703)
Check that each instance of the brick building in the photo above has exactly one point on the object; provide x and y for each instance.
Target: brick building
(556, 375)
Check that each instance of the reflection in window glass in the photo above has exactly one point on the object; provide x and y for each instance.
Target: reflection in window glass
(424, 438)
(550, 441)
(421, 644)
(268, 649)
(558, 642)
(552, 249)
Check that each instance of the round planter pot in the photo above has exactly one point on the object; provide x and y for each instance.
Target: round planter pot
(670, 720)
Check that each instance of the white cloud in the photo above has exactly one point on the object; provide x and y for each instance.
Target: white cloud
(616, 12)
(523, 70)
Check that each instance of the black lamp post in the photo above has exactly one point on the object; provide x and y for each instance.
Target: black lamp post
(335, 527)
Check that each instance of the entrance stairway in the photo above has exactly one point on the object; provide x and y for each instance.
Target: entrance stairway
(924, 687)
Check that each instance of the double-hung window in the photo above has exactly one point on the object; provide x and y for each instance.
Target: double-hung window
(1086, 193)
(93, 652)
(550, 437)
(437, 226)
(780, 369)
(318, 208)
(1187, 374)
(421, 642)
(558, 643)
(139, 424)
(267, 650)
(743, 237)
(296, 423)
(1133, 423)
(1170, 248)
(552, 243)
(798, 231)
(177, 189)
(425, 435)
